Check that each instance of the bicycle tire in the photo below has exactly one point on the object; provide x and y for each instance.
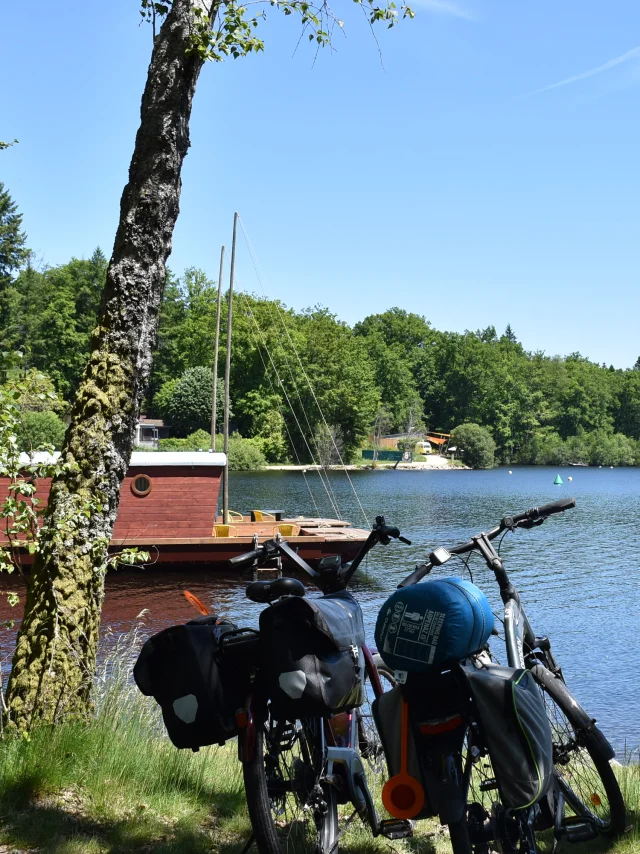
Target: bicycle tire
(589, 785)
(284, 791)
(459, 834)
(370, 743)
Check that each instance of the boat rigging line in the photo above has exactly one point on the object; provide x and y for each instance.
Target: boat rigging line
(279, 312)
(327, 484)
(326, 481)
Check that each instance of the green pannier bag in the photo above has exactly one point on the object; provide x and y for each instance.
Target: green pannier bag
(514, 724)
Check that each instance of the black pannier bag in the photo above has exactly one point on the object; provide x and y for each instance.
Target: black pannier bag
(516, 730)
(387, 714)
(436, 727)
(200, 674)
(312, 658)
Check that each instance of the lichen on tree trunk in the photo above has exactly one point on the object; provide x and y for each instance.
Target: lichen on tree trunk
(55, 656)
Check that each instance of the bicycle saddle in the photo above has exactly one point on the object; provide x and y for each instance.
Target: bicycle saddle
(268, 591)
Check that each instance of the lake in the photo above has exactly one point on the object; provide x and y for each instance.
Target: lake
(578, 574)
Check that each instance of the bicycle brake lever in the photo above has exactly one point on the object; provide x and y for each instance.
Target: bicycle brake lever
(532, 523)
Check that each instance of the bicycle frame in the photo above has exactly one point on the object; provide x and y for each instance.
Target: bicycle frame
(520, 639)
(346, 757)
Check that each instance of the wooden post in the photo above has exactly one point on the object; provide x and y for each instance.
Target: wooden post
(227, 374)
(214, 403)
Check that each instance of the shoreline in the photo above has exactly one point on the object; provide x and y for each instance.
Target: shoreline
(434, 463)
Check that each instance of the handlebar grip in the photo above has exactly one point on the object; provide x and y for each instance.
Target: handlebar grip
(246, 559)
(554, 507)
(389, 531)
(538, 512)
(417, 575)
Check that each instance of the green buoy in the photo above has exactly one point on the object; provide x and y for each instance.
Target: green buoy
(558, 480)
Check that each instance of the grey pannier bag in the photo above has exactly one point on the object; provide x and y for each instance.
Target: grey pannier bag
(516, 730)
(312, 659)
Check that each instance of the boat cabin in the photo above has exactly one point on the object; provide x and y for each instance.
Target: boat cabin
(169, 507)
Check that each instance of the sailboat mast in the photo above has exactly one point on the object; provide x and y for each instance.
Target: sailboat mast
(214, 402)
(227, 374)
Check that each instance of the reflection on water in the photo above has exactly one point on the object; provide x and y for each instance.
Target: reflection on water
(579, 574)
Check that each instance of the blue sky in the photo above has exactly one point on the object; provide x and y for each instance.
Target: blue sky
(484, 172)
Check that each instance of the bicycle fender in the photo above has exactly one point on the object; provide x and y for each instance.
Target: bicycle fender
(578, 717)
(247, 739)
(443, 790)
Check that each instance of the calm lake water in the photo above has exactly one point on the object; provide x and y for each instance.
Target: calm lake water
(578, 574)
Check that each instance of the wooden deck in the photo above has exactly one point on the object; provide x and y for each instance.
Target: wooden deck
(318, 538)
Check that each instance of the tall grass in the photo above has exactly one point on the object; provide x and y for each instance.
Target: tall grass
(117, 784)
(118, 779)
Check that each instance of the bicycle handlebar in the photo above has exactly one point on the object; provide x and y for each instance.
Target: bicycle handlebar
(534, 516)
(537, 513)
(387, 532)
(417, 575)
(246, 559)
(381, 533)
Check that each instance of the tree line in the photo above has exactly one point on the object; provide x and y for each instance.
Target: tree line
(302, 380)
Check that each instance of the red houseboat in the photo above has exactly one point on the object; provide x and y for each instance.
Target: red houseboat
(169, 507)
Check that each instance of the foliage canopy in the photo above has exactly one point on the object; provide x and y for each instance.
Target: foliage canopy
(538, 409)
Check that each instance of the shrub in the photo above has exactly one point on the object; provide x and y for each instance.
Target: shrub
(39, 428)
(475, 444)
(611, 450)
(245, 454)
(198, 441)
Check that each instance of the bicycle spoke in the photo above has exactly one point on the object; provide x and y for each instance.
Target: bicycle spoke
(579, 778)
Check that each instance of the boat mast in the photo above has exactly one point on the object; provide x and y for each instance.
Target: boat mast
(227, 374)
(214, 402)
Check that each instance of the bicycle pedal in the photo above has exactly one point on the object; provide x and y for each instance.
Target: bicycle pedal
(576, 829)
(396, 828)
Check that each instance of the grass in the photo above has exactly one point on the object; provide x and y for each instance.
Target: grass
(118, 785)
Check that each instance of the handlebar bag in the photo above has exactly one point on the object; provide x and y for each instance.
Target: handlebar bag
(422, 626)
(199, 673)
(312, 658)
(515, 727)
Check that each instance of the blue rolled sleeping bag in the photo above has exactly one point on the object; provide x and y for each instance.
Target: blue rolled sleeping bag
(422, 626)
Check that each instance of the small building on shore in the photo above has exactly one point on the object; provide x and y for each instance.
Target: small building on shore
(149, 431)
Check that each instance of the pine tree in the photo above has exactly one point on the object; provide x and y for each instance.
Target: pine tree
(13, 252)
(510, 335)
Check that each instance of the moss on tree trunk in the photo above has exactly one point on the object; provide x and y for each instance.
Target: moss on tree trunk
(55, 656)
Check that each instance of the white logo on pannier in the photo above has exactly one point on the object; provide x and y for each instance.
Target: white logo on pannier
(186, 708)
(293, 683)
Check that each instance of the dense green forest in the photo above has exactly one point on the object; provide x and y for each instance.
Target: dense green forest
(304, 380)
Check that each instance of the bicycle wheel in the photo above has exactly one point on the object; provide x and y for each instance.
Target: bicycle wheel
(486, 818)
(370, 744)
(582, 766)
(290, 806)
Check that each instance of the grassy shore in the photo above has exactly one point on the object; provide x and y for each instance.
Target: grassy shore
(118, 785)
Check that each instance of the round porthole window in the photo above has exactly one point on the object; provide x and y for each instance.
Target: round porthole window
(141, 485)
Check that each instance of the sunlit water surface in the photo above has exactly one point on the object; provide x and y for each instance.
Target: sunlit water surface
(578, 574)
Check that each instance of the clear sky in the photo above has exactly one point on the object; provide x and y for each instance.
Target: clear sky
(484, 172)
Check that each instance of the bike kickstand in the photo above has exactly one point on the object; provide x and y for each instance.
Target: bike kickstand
(248, 844)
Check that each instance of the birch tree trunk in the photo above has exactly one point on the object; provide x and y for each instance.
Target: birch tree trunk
(55, 657)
